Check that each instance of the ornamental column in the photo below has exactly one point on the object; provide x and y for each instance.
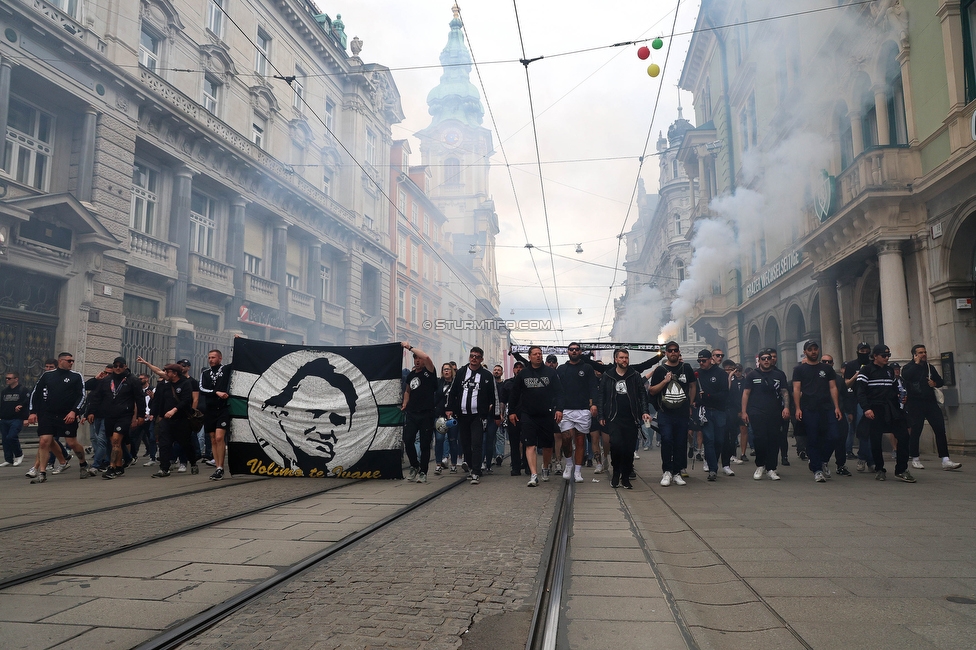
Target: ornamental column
(4, 109)
(235, 258)
(894, 299)
(829, 315)
(857, 133)
(279, 264)
(881, 109)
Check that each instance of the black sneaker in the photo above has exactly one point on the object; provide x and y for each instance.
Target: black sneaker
(843, 471)
(712, 476)
(163, 473)
(615, 481)
(785, 462)
(498, 460)
(625, 482)
(218, 474)
(110, 474)
(40, 478)
(465, 468)
(691, 452)
(194, 469)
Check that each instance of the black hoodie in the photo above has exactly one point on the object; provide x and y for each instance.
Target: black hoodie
(117, 396)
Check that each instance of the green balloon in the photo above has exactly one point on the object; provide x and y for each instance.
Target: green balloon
(657, 44)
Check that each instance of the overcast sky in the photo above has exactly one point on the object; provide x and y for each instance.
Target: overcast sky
(596, 104)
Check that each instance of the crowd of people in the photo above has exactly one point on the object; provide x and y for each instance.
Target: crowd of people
(584, 413)
(181, 420)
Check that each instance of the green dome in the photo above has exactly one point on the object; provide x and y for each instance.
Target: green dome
(455, 97)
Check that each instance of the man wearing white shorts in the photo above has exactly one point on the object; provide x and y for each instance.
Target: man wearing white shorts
(579, 386)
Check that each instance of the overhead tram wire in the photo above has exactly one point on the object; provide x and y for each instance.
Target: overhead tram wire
(508, 167)
(538, 155)
(640, 165)
(289, 80)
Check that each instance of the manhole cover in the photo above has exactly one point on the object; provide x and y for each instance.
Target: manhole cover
(962, 600)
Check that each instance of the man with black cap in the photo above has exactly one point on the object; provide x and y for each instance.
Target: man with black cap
(877, 395)
(815, 392)
(713, 396)
(119, 400)
(171, 409)
(854, 413)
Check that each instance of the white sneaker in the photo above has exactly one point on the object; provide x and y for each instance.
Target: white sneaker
(578, 475)
(758, 474)
(558, 466)
(150, 463)
(60, 468)
(666, 479)
(728, 471)
(5, 464)
(636, 457)
(568, 468)
(948, 464)
(705, 466)
(533, 480)
(773, 475)
(737, 461)
(598, 469)
(819, 477)
(826, 470)
(917, 464)
(182, 467)
(18, 460)
(676, 478)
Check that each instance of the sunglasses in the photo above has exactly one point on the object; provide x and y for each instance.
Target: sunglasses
(118, 365)
(68, 360)
(766, 358)
(573, 350)
(672, 350)
(829, 362)
(886, 355)
(8, 378)
(718, 356)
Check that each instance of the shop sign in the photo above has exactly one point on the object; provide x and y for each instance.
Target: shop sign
(773, 272)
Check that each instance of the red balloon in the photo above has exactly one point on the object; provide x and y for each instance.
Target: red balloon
(643, 52)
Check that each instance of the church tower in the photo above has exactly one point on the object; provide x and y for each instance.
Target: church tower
(458, 150)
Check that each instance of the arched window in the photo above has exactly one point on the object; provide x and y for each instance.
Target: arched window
(679, 270)
(674, 169)
(843, 121)
(677, 223)
(867, 110)
(452, 171)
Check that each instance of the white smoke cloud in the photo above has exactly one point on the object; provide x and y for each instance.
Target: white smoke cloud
(643, 316)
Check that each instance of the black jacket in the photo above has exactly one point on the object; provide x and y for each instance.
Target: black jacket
(607, 395)
(877, 390)
(10, 399)
(487, 391)
(168, 396)
(58, 392)
(117, 396)
(916, 378)
(213, 380)
(535, 392)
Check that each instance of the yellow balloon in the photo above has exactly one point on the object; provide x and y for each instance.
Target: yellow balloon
(654, 69)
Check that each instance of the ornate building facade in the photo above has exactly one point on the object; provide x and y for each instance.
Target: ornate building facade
(178, 171)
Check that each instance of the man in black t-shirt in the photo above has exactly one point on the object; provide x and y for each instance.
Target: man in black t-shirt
(815, 393)
(419, 400)
(851, 409)
(765, 406)
(672, 387)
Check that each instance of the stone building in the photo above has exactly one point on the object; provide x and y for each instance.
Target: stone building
(883, 247)
(177, 171)
(659, 253)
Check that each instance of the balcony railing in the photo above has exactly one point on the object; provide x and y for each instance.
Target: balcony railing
(878, 168)
(301, 304)
(332, 315)
(211, 274)
(152, 254)
(260, 290)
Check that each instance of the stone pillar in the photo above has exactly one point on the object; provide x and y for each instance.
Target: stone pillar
(702, 182)
(894, 299)
(857, 133)
(86, 157)
(881, 108)
(4, 108)
(279, 265)
(315, 289)
(949, 14)
(829, 316)
(235, 258)
(906, 86)
(179, 236)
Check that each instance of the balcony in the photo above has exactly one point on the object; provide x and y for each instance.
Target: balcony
(332, 315)
(260, 291)
(151, 254)
(301, 304)
(891, 168)
(211, 274)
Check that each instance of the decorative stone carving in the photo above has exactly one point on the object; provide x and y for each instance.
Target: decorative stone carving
(356, 46)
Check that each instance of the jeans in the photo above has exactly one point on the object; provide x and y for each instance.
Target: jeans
(453, 443)
(10, 432)
(674, 438)
(488, 442)
(821, 429)
(100, 444)
(500, 437)
(440, 446)
(713, 433)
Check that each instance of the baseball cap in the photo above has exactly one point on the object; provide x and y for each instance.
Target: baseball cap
(184, 362)
(702, 354)
(880, 348)
(863, 346)
(811, 344)
(175, 367)
(551, 357)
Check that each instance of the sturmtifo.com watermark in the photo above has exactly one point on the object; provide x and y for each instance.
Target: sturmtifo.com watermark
(442, 324)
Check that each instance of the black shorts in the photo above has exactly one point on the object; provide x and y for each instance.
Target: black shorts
(537, 431)
(118, 426)
(216, 420)
(53, 425)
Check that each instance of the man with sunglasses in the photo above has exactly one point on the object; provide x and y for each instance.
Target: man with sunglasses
(840, 446)
(713, 396)
(765, 406)
(814, 393)
(877, 394)
(55, 407)
(473, 399)
(14, 404)
(673, 413)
